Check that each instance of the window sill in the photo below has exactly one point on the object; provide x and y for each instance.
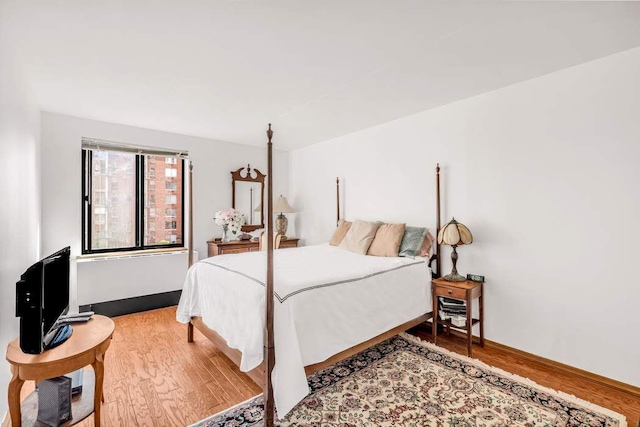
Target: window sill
(130, 254)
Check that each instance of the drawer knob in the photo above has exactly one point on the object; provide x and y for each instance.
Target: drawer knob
(450, 291)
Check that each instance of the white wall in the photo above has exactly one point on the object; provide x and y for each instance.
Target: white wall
(128, 277)
(19, 194)
(61, 184)
(545, 174)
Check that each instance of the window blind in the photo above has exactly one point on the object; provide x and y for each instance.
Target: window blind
(103, 145)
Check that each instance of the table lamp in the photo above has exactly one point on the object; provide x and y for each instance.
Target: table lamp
(282, 206)
(454, 234)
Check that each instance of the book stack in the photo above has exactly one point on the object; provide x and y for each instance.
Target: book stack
(454, 310)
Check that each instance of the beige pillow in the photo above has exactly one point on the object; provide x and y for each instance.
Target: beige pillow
(387, 240)
(341, 231)
(427, 243)
(359, 237)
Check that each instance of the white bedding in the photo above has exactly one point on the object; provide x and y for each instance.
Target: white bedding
(326, 300)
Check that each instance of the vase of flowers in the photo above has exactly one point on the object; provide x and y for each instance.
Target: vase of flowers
(231, 221)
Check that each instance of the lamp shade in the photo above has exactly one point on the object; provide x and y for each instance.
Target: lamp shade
(282, 205)
(454, 234)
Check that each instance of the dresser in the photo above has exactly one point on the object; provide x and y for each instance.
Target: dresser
(217, 247)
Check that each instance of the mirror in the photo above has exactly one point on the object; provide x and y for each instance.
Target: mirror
(247, 196)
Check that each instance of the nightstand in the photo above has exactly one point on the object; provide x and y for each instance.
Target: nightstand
(466, 291)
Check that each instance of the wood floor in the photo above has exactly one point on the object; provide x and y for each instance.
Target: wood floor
(153, 377)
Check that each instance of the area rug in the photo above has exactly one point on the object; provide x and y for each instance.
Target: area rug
(405, 381)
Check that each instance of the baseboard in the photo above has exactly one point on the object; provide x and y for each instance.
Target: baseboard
(133, 305)
(558, 366)
(618, 385)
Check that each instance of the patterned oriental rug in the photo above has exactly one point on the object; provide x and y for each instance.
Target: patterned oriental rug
(405, 381)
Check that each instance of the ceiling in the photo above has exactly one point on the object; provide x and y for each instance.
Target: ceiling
(316, 70)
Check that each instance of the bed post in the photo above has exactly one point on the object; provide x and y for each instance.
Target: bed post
(337, 200)
(269, 351)
(438, 216)
(190, 257)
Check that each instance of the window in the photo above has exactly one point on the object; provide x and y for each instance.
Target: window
(119, 189)
(100, 199)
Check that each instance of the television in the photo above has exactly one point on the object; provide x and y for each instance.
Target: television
(42, 296)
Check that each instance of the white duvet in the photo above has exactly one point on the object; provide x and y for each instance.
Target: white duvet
(326, 300)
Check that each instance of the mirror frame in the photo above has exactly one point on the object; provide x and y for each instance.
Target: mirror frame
(260, 177)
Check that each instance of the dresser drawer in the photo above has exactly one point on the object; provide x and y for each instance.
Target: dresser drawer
(450, 292)
(233, 250)
(217, 247)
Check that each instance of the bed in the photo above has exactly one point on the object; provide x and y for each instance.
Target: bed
(327, 304)
(327, 301)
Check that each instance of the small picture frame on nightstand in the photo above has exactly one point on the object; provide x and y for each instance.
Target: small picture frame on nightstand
(475, 278)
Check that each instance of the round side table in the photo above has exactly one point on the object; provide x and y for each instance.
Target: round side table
(86, 346)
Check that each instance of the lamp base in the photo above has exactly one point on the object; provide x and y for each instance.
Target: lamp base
(281, 224)
(454, 277)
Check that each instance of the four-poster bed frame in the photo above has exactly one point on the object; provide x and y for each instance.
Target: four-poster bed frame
(262, 374)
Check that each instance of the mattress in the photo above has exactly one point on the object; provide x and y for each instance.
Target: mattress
(326, 300)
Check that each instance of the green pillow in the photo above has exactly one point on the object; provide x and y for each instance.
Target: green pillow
(412, 241)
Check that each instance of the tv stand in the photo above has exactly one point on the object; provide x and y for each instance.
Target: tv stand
(87, 346)
(57, 336)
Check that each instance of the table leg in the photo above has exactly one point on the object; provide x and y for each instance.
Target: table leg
(190, 332)
(481, 304)
(98, 367)
(469, 324)
(103, 357)
(15, 385)
(434, 320)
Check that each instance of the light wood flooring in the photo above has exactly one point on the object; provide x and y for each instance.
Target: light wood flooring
(153, 377)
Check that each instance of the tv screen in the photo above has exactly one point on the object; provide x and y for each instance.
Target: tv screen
(42, 296)
(55, 299)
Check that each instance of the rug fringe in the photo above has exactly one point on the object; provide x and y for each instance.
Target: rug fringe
(566, 396)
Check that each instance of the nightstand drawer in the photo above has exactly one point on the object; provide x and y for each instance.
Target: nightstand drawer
(450, 292)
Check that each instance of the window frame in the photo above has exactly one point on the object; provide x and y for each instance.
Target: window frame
(87, 205)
